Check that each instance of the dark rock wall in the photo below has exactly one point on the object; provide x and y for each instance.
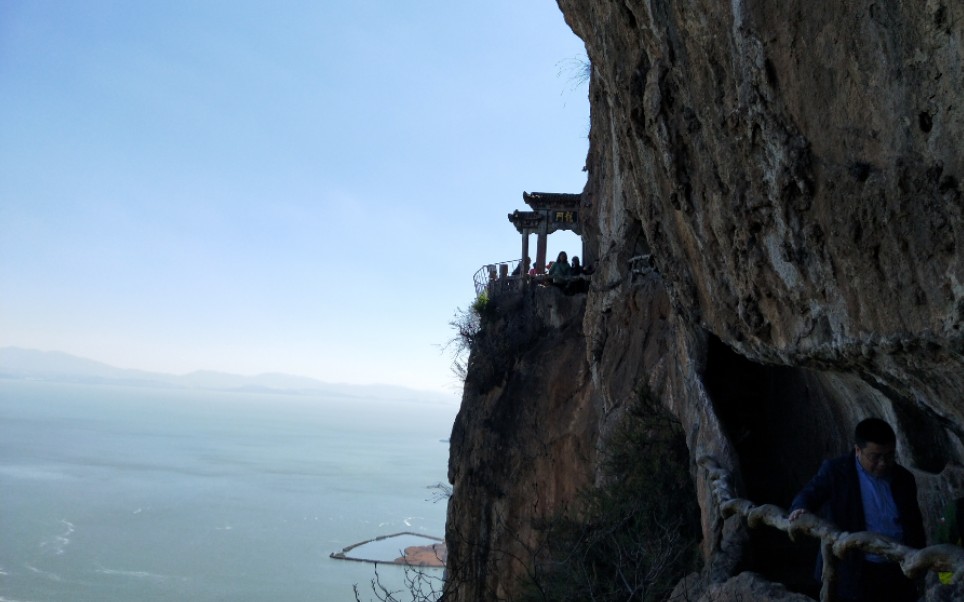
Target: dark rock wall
(799, 203)
(795, 169)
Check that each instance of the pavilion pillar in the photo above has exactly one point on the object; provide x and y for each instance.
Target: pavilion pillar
(541, 250)
(524, 270)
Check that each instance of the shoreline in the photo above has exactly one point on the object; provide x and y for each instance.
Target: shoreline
(431, 555)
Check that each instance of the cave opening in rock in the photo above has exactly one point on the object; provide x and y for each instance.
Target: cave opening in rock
(928, 447)
(773, 417)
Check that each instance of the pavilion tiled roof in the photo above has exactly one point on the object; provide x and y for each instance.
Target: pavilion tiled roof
(525, 220)
(554, 200)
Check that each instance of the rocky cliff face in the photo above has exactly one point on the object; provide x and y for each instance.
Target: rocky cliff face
(795, 169)
(523, 443)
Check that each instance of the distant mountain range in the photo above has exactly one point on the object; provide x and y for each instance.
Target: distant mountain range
(30, 364)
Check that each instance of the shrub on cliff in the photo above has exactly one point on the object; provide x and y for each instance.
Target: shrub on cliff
(636, 536)
(467, 324)
(420, 585)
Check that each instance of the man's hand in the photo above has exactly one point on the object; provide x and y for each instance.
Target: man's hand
(796, 514)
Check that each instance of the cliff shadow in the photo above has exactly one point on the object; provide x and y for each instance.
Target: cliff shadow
(781, 426)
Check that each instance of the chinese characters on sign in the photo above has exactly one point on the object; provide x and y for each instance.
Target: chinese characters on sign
(564, 217)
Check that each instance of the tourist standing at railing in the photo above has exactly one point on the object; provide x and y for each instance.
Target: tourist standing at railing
(575, 268)
(560, 270)
(867, 490)
(522, 268)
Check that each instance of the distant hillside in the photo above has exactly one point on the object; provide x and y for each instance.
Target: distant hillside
(55, 365)
(30, 364)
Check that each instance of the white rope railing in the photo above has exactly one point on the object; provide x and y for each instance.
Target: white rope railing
(834, 543)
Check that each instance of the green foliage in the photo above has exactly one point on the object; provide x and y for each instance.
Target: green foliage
(467, 324)
(481, 304)
(637, 535)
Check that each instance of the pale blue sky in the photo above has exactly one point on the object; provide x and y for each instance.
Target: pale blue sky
(299, 187)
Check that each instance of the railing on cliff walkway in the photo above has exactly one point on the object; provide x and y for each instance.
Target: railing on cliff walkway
(502, 276)
(834, 543)
(499, 276)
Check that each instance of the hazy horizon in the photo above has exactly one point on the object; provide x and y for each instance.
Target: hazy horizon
(19, 362)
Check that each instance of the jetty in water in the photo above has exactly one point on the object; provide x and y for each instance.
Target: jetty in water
(406, 548)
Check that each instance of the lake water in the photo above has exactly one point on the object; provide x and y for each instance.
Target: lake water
(112, 493)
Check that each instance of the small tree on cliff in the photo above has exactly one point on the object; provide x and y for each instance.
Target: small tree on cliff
(420, 585)
(467, 324)
(637, 535)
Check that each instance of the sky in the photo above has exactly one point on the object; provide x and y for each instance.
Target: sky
(295, 187)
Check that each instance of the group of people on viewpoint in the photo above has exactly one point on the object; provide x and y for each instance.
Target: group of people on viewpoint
(561, 272)
(867, 490)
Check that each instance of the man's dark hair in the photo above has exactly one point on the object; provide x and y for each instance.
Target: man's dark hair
(874, 430)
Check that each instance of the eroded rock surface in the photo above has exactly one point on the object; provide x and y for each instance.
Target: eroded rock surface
(795, 169)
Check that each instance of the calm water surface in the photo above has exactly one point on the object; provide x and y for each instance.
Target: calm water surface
(138, 494)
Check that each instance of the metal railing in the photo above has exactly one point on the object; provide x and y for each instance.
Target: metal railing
(494, 278)
(497, 276)
(834, 543)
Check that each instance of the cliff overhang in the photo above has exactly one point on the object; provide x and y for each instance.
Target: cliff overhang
(795, 173)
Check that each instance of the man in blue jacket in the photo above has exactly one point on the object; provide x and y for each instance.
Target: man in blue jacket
(868, 491)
